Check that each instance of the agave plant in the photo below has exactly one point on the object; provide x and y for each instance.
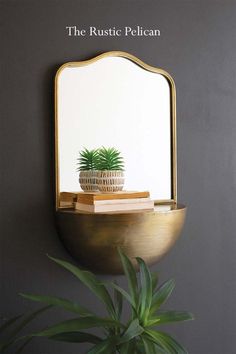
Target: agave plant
(88, 160)
(110, 159)
(140, 334)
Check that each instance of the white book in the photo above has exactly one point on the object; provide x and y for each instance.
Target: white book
(121, 201)
(100, 208)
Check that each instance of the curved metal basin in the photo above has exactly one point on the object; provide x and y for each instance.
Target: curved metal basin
(92, 239)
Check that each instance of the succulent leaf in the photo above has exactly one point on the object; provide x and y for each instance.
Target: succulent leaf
(110, 159)
(88, 160)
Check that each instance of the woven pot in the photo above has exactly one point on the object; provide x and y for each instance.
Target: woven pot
(88, 181)
(110, 181)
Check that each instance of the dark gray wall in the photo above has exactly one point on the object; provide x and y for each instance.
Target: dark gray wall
(197, 46)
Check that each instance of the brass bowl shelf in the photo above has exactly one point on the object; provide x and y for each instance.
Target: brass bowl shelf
(92, 239)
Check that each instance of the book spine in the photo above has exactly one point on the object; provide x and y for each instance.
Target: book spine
(115, 207)
(121, 196)
(90, 199)
(121, 201)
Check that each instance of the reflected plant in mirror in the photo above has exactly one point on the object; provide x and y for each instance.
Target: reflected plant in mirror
(88, 164)
(111, 170)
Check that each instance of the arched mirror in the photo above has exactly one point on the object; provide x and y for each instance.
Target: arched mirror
(117, 100)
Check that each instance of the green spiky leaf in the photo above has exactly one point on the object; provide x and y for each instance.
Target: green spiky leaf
(146, 290)
(161, 295)
(118, 302)
(9, 323)
(89, 279)
(154, 281)
(106, 346)
(134, 330)
(124, 293)
(131, 277)
(128, 347)
(150, 346)
(110, 159)
(76, 324)
(170, 317)
(11, 337)
(76, 337)
(165, 341)
(57, 301)
(88, 160)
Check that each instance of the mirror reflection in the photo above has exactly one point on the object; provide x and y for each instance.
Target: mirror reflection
(115, 103)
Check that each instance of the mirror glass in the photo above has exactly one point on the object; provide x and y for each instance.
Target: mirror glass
(114, 102)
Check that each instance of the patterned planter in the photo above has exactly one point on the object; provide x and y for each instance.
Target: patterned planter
(110, 181)
(88, 181)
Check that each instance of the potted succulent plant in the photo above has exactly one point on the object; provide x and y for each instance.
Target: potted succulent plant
(142, 333)
(88, 161)
(110, 177)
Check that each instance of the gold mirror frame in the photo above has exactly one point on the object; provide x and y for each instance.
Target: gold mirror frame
(147, 67)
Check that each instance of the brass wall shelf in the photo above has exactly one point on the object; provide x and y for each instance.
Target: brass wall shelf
(93, 239)
(91, 97)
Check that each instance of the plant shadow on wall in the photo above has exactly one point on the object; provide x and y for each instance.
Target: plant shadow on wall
(138, 335)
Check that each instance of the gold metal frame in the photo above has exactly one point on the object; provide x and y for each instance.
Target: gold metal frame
(172, 110)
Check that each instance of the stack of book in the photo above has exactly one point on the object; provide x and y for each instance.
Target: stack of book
(113, 202)
(67, 199)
